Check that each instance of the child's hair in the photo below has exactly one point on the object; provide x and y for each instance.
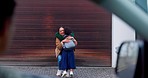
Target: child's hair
(67, 31)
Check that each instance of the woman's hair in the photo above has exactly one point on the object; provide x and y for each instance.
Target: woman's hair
(67, 30)
(60, 27)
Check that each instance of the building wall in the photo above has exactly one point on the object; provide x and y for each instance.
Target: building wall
(120, 32)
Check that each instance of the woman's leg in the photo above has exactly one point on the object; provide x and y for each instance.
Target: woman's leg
(59, 72)
(59, 60)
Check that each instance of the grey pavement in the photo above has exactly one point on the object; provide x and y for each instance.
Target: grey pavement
(80, 72)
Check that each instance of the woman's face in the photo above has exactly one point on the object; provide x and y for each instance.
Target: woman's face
(61, 31)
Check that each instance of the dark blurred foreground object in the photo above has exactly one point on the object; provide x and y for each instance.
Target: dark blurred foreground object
(130, 60)
(6, 14)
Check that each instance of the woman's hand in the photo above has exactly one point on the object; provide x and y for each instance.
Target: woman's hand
(65, 41)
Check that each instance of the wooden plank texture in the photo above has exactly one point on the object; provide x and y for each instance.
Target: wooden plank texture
(38, 20)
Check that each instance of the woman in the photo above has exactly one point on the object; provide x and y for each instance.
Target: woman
(68, 59)
(59, 37)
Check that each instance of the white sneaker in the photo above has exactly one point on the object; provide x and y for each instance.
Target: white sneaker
(59, 72)
(64, 74)
(71, 73)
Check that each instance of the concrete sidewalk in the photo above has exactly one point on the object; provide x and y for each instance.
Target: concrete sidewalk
(80, 72)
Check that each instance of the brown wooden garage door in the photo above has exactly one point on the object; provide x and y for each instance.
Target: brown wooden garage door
(37, 21)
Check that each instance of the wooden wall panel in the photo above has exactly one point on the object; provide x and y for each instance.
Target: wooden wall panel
(38, 20)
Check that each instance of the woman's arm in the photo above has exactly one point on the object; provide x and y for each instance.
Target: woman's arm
(58, 44)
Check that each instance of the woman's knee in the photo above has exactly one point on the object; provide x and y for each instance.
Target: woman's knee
(59, 58)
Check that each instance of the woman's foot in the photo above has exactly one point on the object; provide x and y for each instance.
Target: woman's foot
(59, 73)
(64, 74)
